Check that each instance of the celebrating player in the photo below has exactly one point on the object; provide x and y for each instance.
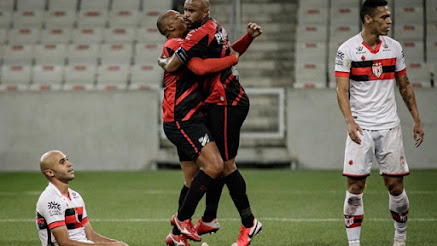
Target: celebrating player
(61, 214)
(366, 67)
(183, 112)
(227, 106)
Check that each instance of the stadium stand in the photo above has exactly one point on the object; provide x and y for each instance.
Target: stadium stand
(28, 18)
(116, 53)
(3, 35)
(123, 17)
(46, 77)
(7, 5)
(112, 76)
(16, 76)
(146, 75)
(126, 5)
(95, 5)
(119, 34)
(83, 53)
(24, 35)
(80, 76)
(87, 35)
(92, 17)
(58, 5)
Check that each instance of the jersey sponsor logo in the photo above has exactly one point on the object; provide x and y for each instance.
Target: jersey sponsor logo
(54, 208)
(339, 58)
(221, 37)
(385, 48)
(377, 69)
(204, 140)
(360, 50)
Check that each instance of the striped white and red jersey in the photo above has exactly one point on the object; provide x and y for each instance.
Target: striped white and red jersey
(55, 209)
(371, 74)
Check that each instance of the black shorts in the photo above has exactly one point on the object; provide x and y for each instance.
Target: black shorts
(225, 123)
(189, 137)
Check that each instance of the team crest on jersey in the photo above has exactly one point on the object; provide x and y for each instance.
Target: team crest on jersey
(221, 37)
(204, 140)
(377, 69)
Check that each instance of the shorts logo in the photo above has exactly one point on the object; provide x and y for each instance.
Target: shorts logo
(204, 140)
(377, 69)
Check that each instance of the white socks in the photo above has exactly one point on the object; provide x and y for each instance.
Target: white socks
(353, 216)
(399, 206)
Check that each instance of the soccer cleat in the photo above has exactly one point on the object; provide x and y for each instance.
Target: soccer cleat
(176, 240)
(354, 243)
(186, 228)
(246, 234)
(399, 241)
(207, 227)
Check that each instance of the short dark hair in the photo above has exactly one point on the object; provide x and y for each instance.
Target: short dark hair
(369, 7)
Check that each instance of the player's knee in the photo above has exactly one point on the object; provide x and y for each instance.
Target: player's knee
(229, 168)
(395, 188)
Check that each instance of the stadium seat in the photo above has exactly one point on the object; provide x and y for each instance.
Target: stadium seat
(146, 75)
(147, 52)
(111, 76)
(310, 75)
(126, 4)
(408, 32)
(31, 5)
(313, 15)
(342, 31)
(24, 35)
(28, 18)
(345, 3)
(311, 33)
(418, 75)
(119, 34)
(431, 11)
(125, 18)
(431, 54)
(3, 35)
(5, 18)
(408, 14)
(92, 18)
(57, 5)
(56, 35)
(414, 51)
(409, 3)
(311, 52)
(314, 3)
(346, 15)
(161, 5)
(50, 54)
(116, 53)
(18, 54)
(148, 17)
(60, 18)
(47, 75)
(94, 5)
(80, 76)
(147, 32)
(16, 75)
(87, 35)
(7, 5)
(83, 53)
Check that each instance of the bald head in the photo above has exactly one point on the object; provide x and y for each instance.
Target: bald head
(203, 4)
(163, 20)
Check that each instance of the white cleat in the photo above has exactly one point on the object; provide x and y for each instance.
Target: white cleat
(354, 243)
(399, 241)
(204, 244)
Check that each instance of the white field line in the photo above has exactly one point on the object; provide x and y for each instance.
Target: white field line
(283, 192)
(231, 219)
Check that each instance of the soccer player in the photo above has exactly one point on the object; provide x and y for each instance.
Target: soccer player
(367, 67)
(61, 217)
(227, 102)
(183, 110)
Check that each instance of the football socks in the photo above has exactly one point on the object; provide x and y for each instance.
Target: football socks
(199, 186)
(237, 190)
(212, 200)
(353, 215)
(399, 206)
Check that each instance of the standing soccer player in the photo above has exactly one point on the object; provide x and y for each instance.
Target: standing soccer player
(367, 67)
(227, 104)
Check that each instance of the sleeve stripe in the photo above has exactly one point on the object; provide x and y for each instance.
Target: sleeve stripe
(402, 72)
(56, 224)
(341, 74)
(182, 55)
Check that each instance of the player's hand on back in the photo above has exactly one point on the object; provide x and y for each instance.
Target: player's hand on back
(254, 30)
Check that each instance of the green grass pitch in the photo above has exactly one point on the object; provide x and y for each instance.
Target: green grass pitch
(303, 207)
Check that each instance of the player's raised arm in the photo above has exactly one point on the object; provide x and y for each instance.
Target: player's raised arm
(253, 31)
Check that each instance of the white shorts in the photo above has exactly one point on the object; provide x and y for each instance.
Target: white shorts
(386, 145)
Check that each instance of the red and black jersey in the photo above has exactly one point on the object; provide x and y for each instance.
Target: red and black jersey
(183, 99)
(211, 41)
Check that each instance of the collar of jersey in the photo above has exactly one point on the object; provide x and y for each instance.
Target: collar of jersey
(60, 194)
